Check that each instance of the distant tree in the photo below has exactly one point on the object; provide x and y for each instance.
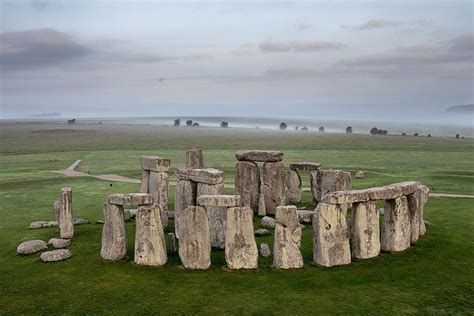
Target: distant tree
(429, 135)
(177, 122)
(404, 134)
(296, 128)
(457, 135)
(385, 132)
(321, 129)
(304, 129)
(283, 126)
(189, 123)
(416, 134)
(374, 131)
(349, 130)
(73, 121)
(224, 124)
(195, 124)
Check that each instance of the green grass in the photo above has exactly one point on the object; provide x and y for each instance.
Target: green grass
(434, 276)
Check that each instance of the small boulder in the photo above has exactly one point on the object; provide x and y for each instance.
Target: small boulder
(359, 174)
(43, 224)
(31, 247)
(305, 217)
(56, 255)
(265, 250)
(59, 243)
(262, 232)
(268, 222)
(80, 221)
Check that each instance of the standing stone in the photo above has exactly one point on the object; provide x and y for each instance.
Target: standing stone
(330, 181)
(66, 224)
(261, 205)
(313, 180)
(365, 232)
(171, 243)
(150, 245)
(57, 210)
(158, 188)
(414, 210)
(194, 159)
(295, 189)
(424, 195)
(114, 236)
(217, 214)
(240, 247)
(195, 238)
(287, 244)
(145, 181)
(185, 195)
(396, 228)
(331, 236)
(247, 183)
(273, 186)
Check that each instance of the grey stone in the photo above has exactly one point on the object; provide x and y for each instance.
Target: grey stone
(219, 200)
(150, 244)
(414, 210)
(396, 227)
(144, 181)
(195, 238)
(194, 159)
(154, 163)
(240, 247)
(119, 199)
(31, 247)
(265, 250)
(309, 166)
(295, 188)
(261, 205)
(328, 181)
(381, 211)
(360, 174)
(171, 244)
(365, 230)
(158, 188)
(268, 222)
(56, 255)
(247, 183)
(57, 210)
(424, 195)
(59, 243)
(217, 214)
(185, 195)
(331, 236)
(43, 224)
(305, 217)
(273, 186)
(287, 244)
(427, 223)
(114, 236)
(262, 232)
(259, 155)
(80, 221)
(208, 176)
(66, 224)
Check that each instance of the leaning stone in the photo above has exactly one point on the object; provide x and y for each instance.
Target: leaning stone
(309, 166)
(217, 214)
(240, 247)
(219, 200)
(273, 186)
(66, 224)
(119, 199)
(208, 176)
(140, 198)
(268, 222)
(185, 195)
(154, 163)
(359, 174)
(262, 232)
(265, 250)
(171, 244)
(247, 183)
(331, 236)
(195, 239)
(287, 244)
(114, 236)
(150, 244)
(305, 217)
(59, 243)
(261, 205)
(396, 228)
(158, 188)
(194, 159)
(365, 230)
(57, 210)
(56, 255)
(144, 181)
(43, 224)
(31, 247)
(259, 155)
(295, 189)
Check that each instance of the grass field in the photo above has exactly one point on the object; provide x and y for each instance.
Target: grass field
(434, 276)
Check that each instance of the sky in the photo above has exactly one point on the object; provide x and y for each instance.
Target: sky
(391, 60)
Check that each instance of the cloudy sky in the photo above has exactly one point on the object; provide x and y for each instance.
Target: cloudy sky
(383, 59)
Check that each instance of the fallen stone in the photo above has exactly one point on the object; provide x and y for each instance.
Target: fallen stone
(259, 155)
(217, 215)
(268, 222)
(261, 205)
(150, 244)
(154, 163)
(43, 224)
(31, 247)
(114, 235)
(365, 230)
(66, 223)
(305, 217)
(59, 243)
(219, 200)
(287, 244)
(359, 174)
(273, 186)
(309, 166)
(265, 250)
(295, 188)
(194, 159)
(158, 188)
(247, 183)
(56, 255)
(208, 176)
(240, 247)
(396, 227)
(185, 196)
(262, 232)
(80, 221)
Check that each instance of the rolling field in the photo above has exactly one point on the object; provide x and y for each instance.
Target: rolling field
(434, 276)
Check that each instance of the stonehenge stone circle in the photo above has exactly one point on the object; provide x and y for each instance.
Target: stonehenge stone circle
(31, 247)
(365, 230)
(287, 244)
(396, 229)
(114, 236)
(56, 255)
(195, 238)
(240, 247)
(150, 244)
(66, 224)
(217, 215)
(247, 183)
(274, 187)
(259, 155)
(194, 159)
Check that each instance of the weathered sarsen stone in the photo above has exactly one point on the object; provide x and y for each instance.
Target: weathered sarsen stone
(31, 246)
(114, 236)
(287, 244)
(396, 227)
(66, 224)
(424, 195)
(259, 155)
(144, 181)
(208, 176)
(247, 183)
(309, 166)
(295, 189)
(330, 181)
(195, 239)
(365, 232)
(331, 236)
(268, 222)
(150, 244)
(219, 200)
(240, 247)
(194, 159)
(217, 214)
(154, 163)
(185, 195)
(158, 188)
(273, 186)
(56, 255)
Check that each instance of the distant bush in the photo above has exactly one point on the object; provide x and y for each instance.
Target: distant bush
(224, 124)
(457, 135)
(416, 134)
(404, 134)
(297, 128)
(429, 135)
(321, 129)
(195, 124)
(189, 123)
(349, 130)
(304, 129)
(177, 122)
(376, 131)
(283, 126)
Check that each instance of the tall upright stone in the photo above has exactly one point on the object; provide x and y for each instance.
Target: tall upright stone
(273, 186)
(247, 183)
(185, 195)
(195, 238)
(144, 181)
(57, 210)
(330, 181)
(414, 211)
(261, 205)
(194, 159)
(66, 222)
(158, 188)
(150, 244)
(287, 244)
(217, 214)
(396, 228)
(424, 195)
(365, 233)
(240, 247)
(114, 236)
(295, 189)
(331, 236)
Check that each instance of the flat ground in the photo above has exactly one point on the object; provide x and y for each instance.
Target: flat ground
(434, 276)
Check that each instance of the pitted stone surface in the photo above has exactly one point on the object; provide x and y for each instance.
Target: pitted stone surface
(217, 214)
(219, 200)
(144, 181)
(31, 247)
(262, 232)
(59, 243)
(328, 181)
(194, 159)
(114, 236)
(66, 222)
(154, 163)
(268, 222)
(396, 227)
(56, 255)
(305, 217)
(247, 183)
(150, 244)
(259, 155)
(261, 205)
(295, 188)
(240, 247)
(158, 189)
(287, 244)
(185, 195)
(208, 176)
(273, 186)
(365, 230)
(265, 250)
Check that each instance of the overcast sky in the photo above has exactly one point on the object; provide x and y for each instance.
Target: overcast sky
(383, 59)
